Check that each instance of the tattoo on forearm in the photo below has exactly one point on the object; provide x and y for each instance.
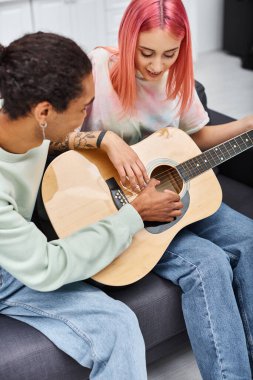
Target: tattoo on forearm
(75, 140)
(59, 146)
(85, 140)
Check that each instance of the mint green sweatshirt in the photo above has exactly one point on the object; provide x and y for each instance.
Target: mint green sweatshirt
(24, 250)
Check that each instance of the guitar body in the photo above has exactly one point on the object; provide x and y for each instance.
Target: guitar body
(76, 194)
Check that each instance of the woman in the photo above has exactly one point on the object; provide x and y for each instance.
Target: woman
(46, 85)
(146, 84)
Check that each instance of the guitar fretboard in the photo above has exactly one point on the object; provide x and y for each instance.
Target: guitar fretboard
(215, 156)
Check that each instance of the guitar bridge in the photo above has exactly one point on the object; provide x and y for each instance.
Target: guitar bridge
(117, 194)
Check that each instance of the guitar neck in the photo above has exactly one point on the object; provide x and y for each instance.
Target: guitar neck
(215, 156)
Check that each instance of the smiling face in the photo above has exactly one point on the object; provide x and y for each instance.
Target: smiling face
(156, 51)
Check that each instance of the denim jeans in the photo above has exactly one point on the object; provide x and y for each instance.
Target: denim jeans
(212, 261)
(98, 332)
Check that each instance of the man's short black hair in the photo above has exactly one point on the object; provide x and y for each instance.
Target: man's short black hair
(41, 67)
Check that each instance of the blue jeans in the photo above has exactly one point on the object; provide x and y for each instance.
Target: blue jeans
(212, 262)
(97, 331)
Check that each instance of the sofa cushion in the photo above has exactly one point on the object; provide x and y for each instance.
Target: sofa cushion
(31, 355)
(156, 302)
(28, 355)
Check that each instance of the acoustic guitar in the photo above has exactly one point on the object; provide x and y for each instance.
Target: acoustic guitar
(81, 187)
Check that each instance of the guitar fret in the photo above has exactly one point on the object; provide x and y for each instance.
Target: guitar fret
(250, 135)
(224, 152)
(185, 169)
(210, 158)
(227, 151)
(243, 142)
(195, 166)
(219, 157)
(215, 156)
(235, 145)
(247, 140)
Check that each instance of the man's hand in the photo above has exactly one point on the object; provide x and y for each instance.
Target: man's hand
(157, 206)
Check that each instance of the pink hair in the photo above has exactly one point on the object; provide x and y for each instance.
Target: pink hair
(141, 16)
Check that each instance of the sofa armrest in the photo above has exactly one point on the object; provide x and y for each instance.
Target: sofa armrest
(201, 93)
(240, 167)
(217, 118)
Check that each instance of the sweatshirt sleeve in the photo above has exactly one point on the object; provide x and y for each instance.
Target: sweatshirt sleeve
(46, 266)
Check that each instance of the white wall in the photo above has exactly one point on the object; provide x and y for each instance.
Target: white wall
(206, 20)
(210, 24)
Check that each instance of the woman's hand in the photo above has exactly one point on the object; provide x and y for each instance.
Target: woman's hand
(157, 206)
(125, 161)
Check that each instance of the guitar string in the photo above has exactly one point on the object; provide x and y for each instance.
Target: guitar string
(202, 163)
(132, 197)
(174, 181)
(193, 168)
(176, 178)
(187, 171)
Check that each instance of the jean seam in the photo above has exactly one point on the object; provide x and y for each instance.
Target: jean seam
(208, 311)
(58, 317)
(244, 318)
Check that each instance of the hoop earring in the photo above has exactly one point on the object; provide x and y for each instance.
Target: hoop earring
(43, 126)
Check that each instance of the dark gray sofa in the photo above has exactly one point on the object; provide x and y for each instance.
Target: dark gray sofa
(28, 355)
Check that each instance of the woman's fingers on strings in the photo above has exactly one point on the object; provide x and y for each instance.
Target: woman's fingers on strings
(122, 175)
(143, 171)
(135, 177)
(139, 175)
(131, 178)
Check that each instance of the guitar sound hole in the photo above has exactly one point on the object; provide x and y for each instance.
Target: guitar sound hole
(169, 178)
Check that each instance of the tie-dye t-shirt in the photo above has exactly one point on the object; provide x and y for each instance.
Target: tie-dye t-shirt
(153, 110)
